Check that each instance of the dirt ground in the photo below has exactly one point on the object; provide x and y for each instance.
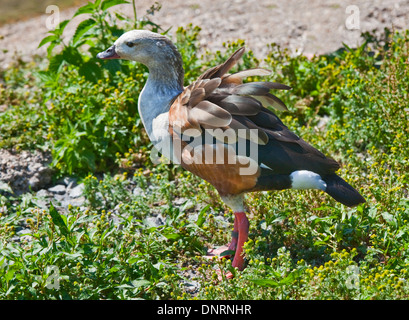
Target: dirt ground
(313, 26)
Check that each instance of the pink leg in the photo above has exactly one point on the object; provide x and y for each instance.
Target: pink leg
(243, 230)
(239, 237)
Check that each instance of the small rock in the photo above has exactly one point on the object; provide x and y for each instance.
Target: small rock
(25, 170)
(34, 182)
(58, 189)
(186, 203)
(33, 167)
(179, 201)
(77, 202)
(138, 191)
(191, 286)
(70, 182)
(76, 191)
(43, 193)
(155, 221)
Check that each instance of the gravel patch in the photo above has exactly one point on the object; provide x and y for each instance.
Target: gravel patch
(23, 171)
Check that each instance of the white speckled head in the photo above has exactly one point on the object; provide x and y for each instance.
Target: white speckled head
(142, 46)
(154, 50)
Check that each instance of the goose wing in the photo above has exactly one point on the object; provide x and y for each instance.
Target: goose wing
(220, 106)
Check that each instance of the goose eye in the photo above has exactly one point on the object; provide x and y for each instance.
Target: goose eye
(130, 44)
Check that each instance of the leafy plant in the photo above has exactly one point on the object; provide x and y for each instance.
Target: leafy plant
(143, 229)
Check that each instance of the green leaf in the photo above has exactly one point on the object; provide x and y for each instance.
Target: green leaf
(58, 220)
(73, 256)
(124, 286)
(319, 243)
(91, 71)
(293, 276)
(112, 66)
(10, 274)
(82, 28)
(265, 282)
(72, 56)
(10, 290)
(88, 157)
(110, 3)
(62, 25)
(50, 48)
(140, 283)
(47, 39)
(56, 63)
(201, 218)
(389, 218)
(119, 16)
(114, 269)
(227, 253)
(88, 8)
(172, 236)
(45, 77)
(133, 260)
(59, 30)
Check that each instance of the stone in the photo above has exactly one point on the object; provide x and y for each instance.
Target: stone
(34, 182)
(58, 189)
(76, 191)
(138, 191)
(43, 193)
(70, 182)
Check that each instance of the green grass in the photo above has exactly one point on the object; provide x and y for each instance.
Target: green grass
(303, 244)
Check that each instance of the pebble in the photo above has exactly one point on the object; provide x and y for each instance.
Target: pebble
(138, 191)
(58, 189)
(77, 191)
(155, 221)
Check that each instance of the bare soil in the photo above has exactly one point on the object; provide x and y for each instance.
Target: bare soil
(313, 26)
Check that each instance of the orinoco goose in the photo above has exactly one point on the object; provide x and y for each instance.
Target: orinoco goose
(221, 129)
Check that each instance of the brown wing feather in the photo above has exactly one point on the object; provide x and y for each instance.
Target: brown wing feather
(220, 70)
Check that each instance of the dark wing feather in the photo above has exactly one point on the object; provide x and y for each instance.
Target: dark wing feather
(237, 105)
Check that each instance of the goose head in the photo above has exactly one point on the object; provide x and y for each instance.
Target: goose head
(146, 47)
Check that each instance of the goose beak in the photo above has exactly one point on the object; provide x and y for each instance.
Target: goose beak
(109, 53)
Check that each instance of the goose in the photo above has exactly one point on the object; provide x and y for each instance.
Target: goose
(223, 130)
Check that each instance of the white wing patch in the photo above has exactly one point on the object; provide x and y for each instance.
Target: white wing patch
(162, 140)
(160, 127)
(304, 179)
